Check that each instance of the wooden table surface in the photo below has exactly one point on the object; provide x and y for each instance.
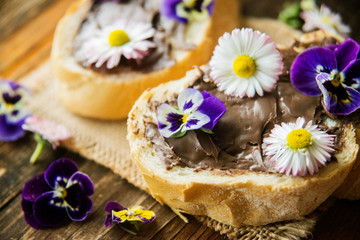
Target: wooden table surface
(26, 34)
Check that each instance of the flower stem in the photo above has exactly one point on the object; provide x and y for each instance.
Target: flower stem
(137, 226)
(129, 231)
(39, 147)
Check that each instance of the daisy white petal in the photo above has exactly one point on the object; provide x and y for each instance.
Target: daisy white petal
(297, 149)
(324, 19)
(245, 63)
(123, 38)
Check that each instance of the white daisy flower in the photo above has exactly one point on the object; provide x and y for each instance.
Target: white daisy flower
(123, 38)
(325, 20)
(245, 62)
(298, 150)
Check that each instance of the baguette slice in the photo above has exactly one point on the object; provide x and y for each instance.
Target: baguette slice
(241, 198)
(110, 96)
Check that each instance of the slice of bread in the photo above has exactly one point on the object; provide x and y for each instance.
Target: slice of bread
(239, 198)
(110, 96)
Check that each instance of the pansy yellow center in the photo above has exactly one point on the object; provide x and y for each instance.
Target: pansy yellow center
(190, 3)
(184, 118)
(6, 107)
(118, 38)
(336, 80)
(244, 66)
(299, 138)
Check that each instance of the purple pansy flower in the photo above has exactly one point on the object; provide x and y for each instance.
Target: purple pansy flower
(333, 72)
(187, 10)
(12, 112)
(195, 111)
(134, 215)
(50, 198)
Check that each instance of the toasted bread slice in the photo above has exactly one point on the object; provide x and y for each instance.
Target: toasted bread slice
(237, 198)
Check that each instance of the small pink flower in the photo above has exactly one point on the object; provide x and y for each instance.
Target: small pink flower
(52, 132)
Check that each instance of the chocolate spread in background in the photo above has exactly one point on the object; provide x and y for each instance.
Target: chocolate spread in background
(103, 14)
(236, 142)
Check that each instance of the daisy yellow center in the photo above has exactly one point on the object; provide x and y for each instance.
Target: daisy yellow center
(118, 38)
(326, 20)
(184, 118)
(244, 66)
(299, 138)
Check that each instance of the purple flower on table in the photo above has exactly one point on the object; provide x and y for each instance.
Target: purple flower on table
(333, 72)
(13, 96)
(134, 215)
(195, 111)
(187, 10)
(59, 194)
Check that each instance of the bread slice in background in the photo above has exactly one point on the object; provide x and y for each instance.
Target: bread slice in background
(111, 96)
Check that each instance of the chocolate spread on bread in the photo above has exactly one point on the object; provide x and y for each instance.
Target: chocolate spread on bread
(238, 136)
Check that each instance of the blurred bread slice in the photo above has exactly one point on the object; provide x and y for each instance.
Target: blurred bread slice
(110, 96)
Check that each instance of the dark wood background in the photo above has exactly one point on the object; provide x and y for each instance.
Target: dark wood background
(26, 34)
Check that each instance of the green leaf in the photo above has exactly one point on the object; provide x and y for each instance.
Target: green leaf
(179, 134)
(291, 14)
(207, 131)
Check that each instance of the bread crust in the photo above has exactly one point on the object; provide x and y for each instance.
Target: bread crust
(111, 96)
(241, 198)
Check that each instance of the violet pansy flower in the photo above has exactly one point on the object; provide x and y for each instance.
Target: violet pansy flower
(134, 216)
(13, 96)
(333, 72)
(61, 193)
(187, 10)
(195, 111)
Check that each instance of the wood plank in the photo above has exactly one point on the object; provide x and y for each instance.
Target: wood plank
(18, 170)
(31, 36)
(24, 51)
(15, 13)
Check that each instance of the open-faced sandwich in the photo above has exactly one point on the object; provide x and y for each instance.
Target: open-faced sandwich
(259, 135)
(106, 53)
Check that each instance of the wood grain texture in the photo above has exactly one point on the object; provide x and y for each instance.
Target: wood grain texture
(26, 29)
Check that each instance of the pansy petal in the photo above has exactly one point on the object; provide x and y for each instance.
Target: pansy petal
(352, 74)
(83, 180)
(169, 120)
(79, 212)
(113, 206)
(344, 108)
(10, 131)
(196, 120)
(346, 52)
(213, 107)
(189, 100)
(35, 187)
(47, 213)
(108, 220)
(305, 69)
(27, 208)
(60, 171)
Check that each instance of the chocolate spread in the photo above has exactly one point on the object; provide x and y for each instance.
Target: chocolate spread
(236, 142)
(103, 14)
